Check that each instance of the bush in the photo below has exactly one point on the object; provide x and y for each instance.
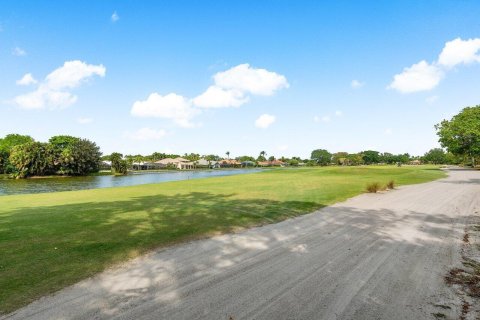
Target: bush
(373, 187)
(391, 185)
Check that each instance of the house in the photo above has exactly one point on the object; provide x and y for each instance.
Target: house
(203, 163)
(106, 165)
(229, 163)
(248, 164)
(179, 163)
(273, 163)
(145, 165)
(415, 162)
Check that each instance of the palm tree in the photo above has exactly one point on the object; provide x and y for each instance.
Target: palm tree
(228, 154)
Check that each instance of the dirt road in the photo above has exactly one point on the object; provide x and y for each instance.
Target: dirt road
(376, 256)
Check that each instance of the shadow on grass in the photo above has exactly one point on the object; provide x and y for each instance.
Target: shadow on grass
(43, 249)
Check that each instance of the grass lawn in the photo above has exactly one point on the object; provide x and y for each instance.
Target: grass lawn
(51, 240)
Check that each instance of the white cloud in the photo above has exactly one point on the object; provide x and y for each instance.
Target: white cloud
(84, 120)
(170, 106)
(431, 99)
(424, 76)
(115, 17)
(264, 121)
(282, 147)
(388, 131)
(216, 97)
(26, 80)
(19, 52)
(419, 77)
(460, 51)
(251, 80)
(53, 91)
(355, 84)
(72, 74)
(233, 86)
(146, 134)
(338, 113)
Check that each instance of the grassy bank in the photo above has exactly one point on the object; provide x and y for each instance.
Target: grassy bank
(51, 240)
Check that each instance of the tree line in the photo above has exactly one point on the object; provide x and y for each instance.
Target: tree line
(21, 156)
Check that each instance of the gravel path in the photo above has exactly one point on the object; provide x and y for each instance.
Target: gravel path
(375, 256)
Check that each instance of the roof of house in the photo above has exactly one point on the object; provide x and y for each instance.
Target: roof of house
(165, 161)
(271, 163)
(229, 161)
(170, 160)
(205, 162)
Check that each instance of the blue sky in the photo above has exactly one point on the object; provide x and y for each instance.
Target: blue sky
(286, 77)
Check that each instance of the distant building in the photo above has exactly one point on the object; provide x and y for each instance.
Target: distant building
(203, 163)
(179, 163)
(415, 162)
(230, 163)
(248, 164)
(273, 163)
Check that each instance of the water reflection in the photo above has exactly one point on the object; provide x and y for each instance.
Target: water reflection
(80, 183)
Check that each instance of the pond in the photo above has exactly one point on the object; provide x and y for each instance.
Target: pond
(10, 186)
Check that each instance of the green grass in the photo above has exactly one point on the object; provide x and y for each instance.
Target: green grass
(51, 240)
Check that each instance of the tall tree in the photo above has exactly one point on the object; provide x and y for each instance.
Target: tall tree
(119, 165)
(228, 154)
(80, 158)
(6, 146)
(261, 156)
(435, 156)
(371, 157)
(32, 159)
(321, 157)
(461, 134)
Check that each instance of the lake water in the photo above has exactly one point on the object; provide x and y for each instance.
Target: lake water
(9, 186)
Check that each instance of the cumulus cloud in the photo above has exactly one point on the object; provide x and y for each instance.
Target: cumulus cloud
(355, 84)
(114, 17)
(234, 86)
(19, 52)
(26, 80)
(425, 76)
(460, 51)
(54, 91)
(255, 81)
(421, 76)
(171, 106)
(216, 97)
(84, 120)
(144, 134)
(264, 121)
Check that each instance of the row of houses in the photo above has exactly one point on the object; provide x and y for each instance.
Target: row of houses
(185, 164)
